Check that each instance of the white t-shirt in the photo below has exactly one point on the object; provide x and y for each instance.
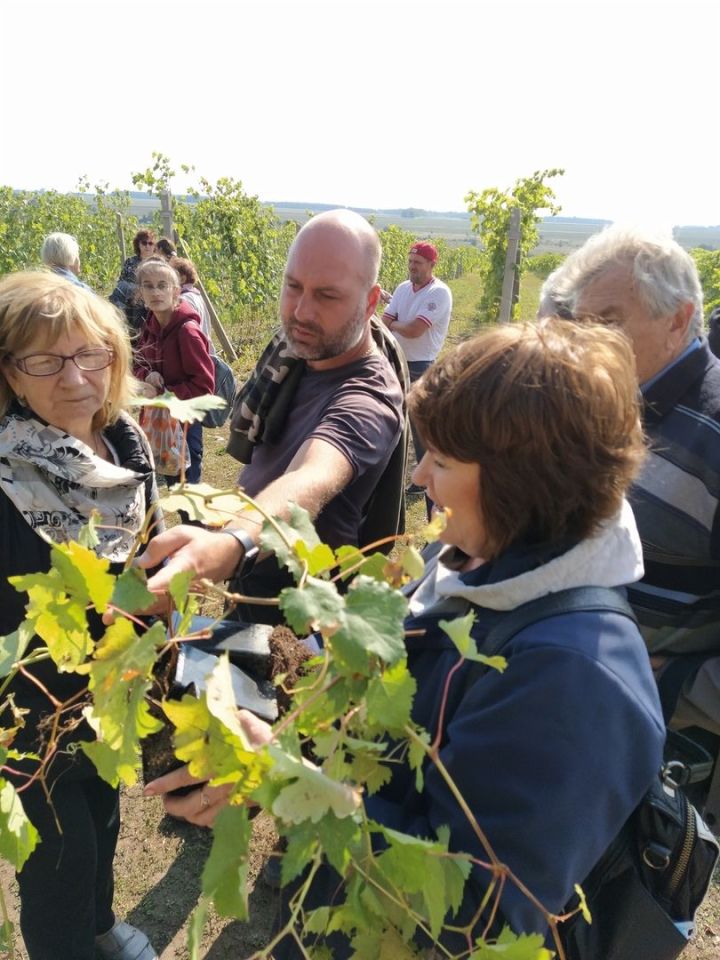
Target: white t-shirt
(432, 304)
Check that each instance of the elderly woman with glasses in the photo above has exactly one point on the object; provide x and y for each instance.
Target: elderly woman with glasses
(67, 451)
(124, 296)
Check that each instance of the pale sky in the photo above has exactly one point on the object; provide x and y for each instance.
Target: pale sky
(379, 104)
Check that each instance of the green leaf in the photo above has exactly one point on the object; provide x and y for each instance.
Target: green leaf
(374, 618)
(389, 699)
(316, 921)
(85, 575)
(412, 563)
(298, 527)
(459, 632)
(87, 536)
(352, 559)
(319, 560)
(302, 844)
(18, 837)
(583, 904)
(204, 503)
(13, 646)
(187, 411)
(317, 606)
(511, 946)
(130, 594)
(224, 877)
(120, 676)
(417, 756)
(180, 587)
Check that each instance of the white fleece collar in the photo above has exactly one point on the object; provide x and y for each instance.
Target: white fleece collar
(610, 558)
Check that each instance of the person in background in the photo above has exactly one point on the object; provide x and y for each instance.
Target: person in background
(61, 252)
(554, 753)
(125, 295)
(188, 274)
(165, 249)
(173, 353)
(649, 287)
(67, 451)
(418, 315)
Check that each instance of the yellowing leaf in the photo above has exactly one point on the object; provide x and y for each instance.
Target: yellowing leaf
(459, 631)
(204, 503)
(436, 526)
(18, 837)
(312, 794)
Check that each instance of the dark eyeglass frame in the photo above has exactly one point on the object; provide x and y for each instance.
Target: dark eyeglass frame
(21, 362)
(147, 243)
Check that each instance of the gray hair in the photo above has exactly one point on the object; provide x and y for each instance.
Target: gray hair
(60, 250)
(664, 274)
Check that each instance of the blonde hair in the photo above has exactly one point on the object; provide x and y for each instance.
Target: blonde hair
(41, 306)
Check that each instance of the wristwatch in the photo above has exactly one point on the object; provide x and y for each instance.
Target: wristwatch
(250, 550)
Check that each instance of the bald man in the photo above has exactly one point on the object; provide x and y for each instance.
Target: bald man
(346, 417)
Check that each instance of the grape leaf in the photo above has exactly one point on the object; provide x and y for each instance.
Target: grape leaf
(62, 625)
(204, 503)
(130, 594)
(417, 756)
(412, 563)
(14, 645)
(298, 527)
(389, 699)
(373, 623)
(120, 676)
(511, 946)
(319, 560)
(180, 587)
(317, 606)
(459, 631)
(87, 535)
(311, 794)
(436, 526)
(302, 844)
(352, 559)
(224, 876)
(85, 576)
(187, 411)
(18, 837)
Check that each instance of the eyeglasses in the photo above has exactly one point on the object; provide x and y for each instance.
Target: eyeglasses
(162, 285)
(46, 364)
(147, 243)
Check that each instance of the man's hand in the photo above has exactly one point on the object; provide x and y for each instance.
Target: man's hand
(201, 806)
(209, 556)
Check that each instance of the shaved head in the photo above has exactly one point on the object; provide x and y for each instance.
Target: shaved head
(359, 240)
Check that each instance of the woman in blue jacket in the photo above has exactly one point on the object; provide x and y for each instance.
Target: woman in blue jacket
(533, 436)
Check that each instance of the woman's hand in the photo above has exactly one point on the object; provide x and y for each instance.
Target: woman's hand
(201, 806)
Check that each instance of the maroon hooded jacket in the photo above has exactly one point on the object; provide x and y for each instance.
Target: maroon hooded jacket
(178, 352)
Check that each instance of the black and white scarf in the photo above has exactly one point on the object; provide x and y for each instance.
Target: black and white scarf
(57, 482)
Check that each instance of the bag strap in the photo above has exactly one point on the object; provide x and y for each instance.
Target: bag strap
(572, 600)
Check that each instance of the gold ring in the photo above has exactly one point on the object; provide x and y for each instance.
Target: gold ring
(204, 800)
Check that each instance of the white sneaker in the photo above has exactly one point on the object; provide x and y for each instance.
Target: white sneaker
(124, 942)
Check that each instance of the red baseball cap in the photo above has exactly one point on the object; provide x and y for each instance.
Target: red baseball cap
(426, 250)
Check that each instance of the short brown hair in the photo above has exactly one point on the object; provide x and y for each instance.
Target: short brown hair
(139, 237)
(185, 269)
(550, 412)
(40, 303)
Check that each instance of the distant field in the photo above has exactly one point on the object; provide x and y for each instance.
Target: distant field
(557, 234)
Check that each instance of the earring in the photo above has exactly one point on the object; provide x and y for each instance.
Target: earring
(21, 399)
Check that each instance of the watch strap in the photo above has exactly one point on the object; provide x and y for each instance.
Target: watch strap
(250, 549)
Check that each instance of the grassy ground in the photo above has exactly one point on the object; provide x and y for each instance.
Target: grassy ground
(159, 861)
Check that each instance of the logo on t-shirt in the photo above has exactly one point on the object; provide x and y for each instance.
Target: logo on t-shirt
(432, 305)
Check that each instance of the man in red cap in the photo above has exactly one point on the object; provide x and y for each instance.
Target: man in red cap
(419, 315)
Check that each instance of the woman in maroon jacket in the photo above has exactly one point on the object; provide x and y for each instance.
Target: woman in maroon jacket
(173, 351)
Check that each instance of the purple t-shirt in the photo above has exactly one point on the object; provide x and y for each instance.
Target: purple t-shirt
(358, 409)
